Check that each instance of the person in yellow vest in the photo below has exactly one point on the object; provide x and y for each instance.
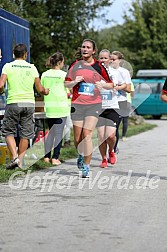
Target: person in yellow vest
(56, 106)
(20, 77)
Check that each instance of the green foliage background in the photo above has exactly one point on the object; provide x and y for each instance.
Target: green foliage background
(61, 25)
(58, 25)
(142, 38)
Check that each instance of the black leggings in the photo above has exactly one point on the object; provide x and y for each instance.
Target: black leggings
(117, 133)
(54, 138)
(124, 129)
(124, 125)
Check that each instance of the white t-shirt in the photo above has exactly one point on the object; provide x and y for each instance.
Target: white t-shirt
(109, 97)
(120, 76)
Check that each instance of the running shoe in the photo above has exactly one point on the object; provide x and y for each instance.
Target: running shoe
(80, 161)
(112, 158)
(85, 171)
(104, 163)
(124, 139)
(14, 164)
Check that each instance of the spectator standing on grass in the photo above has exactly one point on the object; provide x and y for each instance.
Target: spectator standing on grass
(108, 120)
(85, 77)
(20, 76)
(56, 106)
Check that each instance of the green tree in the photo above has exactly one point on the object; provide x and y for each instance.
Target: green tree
(11, 6)
(58, 25)
(144, 34)
(107, 38)
(69, 22)
(36, 12)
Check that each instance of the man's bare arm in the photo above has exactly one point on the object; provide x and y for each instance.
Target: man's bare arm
(40, 89)
(3, 80)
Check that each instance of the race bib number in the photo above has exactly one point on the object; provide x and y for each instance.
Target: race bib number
(86, 88)
(106, 99)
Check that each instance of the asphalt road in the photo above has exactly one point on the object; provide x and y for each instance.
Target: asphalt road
(121, 208)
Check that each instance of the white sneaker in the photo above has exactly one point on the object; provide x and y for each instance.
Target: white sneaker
(14, 164)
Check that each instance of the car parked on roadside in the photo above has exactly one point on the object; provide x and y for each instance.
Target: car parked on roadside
(148, 85)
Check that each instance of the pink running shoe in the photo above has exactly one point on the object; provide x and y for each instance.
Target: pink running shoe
(104, 163)
(112, 158)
